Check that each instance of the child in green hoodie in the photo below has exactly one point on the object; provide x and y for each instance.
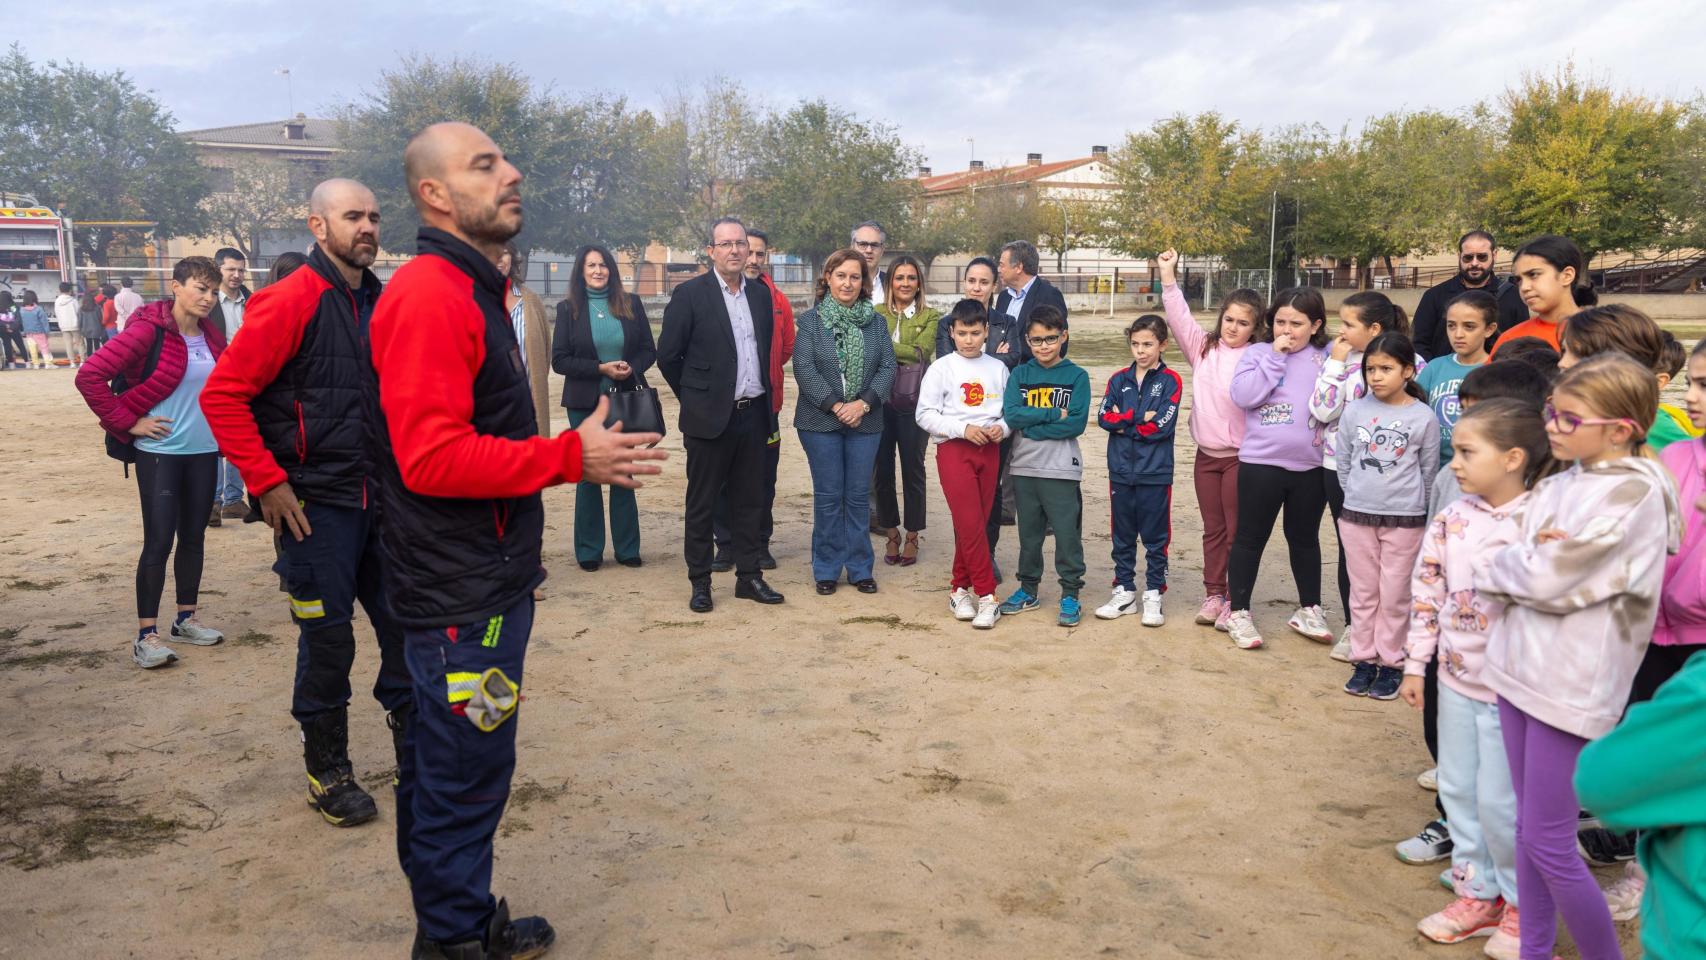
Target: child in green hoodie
(1047, 405)
(1649, 774)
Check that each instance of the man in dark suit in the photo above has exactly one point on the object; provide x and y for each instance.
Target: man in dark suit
(715, 353)
(1022, 291)
(870, 239)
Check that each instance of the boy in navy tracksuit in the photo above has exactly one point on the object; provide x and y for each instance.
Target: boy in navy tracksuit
(1140, 411)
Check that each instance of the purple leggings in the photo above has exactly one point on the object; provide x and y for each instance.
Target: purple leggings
(1550, 875)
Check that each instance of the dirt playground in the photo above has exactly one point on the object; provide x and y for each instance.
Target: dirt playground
(841, 777)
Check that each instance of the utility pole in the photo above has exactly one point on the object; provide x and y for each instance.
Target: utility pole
(1273, 215)
(289, 92)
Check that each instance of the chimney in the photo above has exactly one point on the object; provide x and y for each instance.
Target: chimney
(977, 166)
(923, 172)
(1033, 159)
(1099, 153)
(296, 128)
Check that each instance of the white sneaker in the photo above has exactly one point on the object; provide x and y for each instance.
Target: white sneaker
(1311, 623)
(1428, 779)
(149, 652)
(1121, 603)
(1152, 616)
(1242, 629)
(988, 611)
(962, 603)
(1342, 650)
(191, 631)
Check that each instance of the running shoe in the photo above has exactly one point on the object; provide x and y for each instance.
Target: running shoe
(1312, 623)
(1463, 919)
(1432, 845)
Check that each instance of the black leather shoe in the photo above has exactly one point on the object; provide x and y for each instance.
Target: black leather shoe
(722, 562)
(825, 587)
(630, 562)
(865, 586)
(591, 566)
(520, 939)
(754, 588)
(766, 561)
(701, 602)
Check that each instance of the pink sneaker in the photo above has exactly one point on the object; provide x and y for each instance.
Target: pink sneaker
(1223, 621)
(1461, 919)
(1213, 608)
(1507, 940)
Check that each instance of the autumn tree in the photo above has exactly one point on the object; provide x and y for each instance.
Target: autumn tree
(704, 146)
(1192, 183)
(261, 197)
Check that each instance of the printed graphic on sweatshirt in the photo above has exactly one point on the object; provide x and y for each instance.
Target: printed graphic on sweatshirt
(1381, 448)
(1275, 414)
(973, 393)
(1045, 397)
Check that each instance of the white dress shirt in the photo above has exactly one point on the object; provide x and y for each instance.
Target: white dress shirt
(748, 383)
(1018, 297)
(233, 307)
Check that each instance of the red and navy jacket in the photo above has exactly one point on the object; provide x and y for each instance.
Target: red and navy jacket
(294, 397)
(127, 353)
(1140, 448)
(460, 487)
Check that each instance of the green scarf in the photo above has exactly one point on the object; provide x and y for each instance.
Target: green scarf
(848, 325)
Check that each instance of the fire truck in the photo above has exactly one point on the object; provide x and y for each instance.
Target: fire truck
(35, 247)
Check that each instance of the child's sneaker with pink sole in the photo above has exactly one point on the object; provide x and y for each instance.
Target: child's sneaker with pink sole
(1462, 919)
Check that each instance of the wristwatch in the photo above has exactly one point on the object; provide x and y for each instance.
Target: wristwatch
(865, 405)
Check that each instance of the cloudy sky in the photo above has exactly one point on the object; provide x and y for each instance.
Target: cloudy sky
(1013, 77)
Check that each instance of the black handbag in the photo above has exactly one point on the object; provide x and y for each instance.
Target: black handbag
(908, 379)
(638, 407)
(120, 450)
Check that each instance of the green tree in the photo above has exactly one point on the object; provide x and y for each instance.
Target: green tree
(422, 91)
(999, 211)
(1070, 223)
(596, 177)
(1194, 183)
(261, 197)
(702, 149)
(819, 171)
(934, 228)
(96, 148)
(1582, 160)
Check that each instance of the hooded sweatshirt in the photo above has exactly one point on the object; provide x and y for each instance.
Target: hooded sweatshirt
(1580, 611)
(1649, 774)
(1682, 604)
(1273, 391)
(65, 311)
(1045, 444)
(1217, 424)
(1449, 616)
(958, 392)
(1387, 457)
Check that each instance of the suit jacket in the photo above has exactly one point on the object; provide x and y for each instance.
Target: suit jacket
(696, 352)
(217, 317)
(537, 350)
(575, 356)
(1002, 329)
(818, 372)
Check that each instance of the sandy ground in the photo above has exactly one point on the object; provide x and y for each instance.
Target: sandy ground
(853, 776)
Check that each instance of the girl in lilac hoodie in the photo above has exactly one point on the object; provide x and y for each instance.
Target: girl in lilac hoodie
(1217, 424)
(1279, 462)
(1581, 593)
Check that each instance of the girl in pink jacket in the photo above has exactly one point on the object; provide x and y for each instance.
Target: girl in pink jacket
(1217, 424)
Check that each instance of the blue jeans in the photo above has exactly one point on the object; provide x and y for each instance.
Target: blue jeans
(1480, 803)
(841, 465)
(229, 487)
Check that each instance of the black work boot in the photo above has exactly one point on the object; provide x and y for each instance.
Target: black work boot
(398, 721)
(332, 790)
(505, 939)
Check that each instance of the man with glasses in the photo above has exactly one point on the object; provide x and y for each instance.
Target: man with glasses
(870, 239)
(715, 352)
(781, 348)
(1475, 251)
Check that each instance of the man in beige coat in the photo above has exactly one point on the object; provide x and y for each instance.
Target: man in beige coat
(531, 331)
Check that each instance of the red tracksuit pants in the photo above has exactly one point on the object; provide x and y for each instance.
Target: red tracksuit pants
(970, 476)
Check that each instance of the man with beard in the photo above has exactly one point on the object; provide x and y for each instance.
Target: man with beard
(463, 530)
(294, 409)
(1475, 251)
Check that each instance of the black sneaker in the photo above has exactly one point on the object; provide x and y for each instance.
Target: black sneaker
(1362, 677)
(1386, 683)
(766, 561)
(341, 802)
(1605, 848)
(722, 562)
(505, 939)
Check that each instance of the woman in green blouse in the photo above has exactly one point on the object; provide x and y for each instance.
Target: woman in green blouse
(912, 329)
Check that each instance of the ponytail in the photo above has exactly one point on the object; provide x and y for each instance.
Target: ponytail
(1374, 307)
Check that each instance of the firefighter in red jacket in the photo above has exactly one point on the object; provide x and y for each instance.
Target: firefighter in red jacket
(295, 409)
(463, 529)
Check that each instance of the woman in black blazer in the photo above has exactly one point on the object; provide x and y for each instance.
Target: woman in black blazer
(603, 343)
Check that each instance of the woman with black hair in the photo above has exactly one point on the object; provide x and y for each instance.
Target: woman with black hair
(603, 343)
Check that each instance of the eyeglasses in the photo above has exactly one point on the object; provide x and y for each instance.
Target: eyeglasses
(1476, 257)
(1568, 423)
(868, 244)
(726, 245)
(1047, 341)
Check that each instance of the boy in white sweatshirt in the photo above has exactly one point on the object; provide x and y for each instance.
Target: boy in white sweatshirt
(959, 405)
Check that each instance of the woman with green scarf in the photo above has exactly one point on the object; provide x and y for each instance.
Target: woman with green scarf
(844, 365)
